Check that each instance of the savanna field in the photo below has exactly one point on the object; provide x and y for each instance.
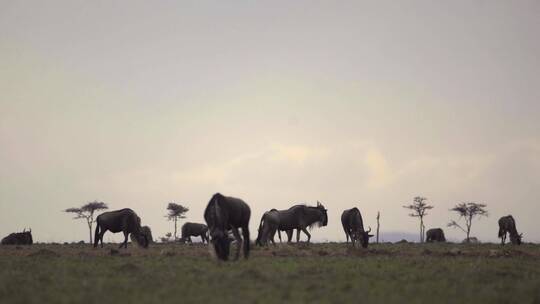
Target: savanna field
(300, 273)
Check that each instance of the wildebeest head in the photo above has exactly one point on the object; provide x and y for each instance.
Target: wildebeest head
(516, 239)
(324, 211)
(27, 236)
(141, 239)
(221, 242)
(363, 237)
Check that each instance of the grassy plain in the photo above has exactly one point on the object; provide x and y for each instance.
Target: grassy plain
(315, 273)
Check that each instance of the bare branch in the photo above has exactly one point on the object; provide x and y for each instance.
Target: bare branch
(454, 224)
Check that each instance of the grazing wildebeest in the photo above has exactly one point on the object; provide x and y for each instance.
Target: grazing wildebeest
(507, 224)
(353, 225)
(224, 213)
(147, 232)
(19, 238)
(194, 229)
(300, 217)
(268, 227)
(435, 235)
(124, 220)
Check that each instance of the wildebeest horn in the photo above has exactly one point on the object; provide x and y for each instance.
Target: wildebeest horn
(369, 230)
(24, 230)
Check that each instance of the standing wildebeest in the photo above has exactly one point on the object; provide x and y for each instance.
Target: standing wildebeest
(300, 217)
(507, 224)
(194, 229)
(19, 238)
(435, 235)
(268, 227)
(353, 225)
(124, 220)
(225, 213)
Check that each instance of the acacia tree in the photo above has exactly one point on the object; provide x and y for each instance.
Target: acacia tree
(419, 208)
(468, 211)
(86, 211)
(175, 212)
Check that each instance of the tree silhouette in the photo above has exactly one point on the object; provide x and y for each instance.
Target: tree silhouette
(468, 211)
(378, 225)
(87, 212)
(175, 212)
(419, 208)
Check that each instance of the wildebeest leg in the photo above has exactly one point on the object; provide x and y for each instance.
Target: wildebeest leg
(346, 234)
(101, 233)
(503, 238)
(279, 235)
(238, 242)
(298, 235)
(245, 234)
(289, 235)
(125, 240)
(307, 233)
(272, 235)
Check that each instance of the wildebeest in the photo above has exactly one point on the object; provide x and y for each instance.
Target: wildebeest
(268, 227)
(124, 220)
(224, 213)
(507, 224)
(194, 229)
(435, 235)
(300, 217)
(353, 225)
(19, 238)
(147, 232)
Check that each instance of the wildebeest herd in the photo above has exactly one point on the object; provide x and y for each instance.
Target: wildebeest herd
(225, 215)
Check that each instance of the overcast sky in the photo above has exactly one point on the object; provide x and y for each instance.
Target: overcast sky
(363, 104)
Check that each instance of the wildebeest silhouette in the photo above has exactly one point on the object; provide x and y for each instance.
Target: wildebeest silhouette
(267, 228)
(435, 235)
(18, 238)
(353, 226)
(507, 224)
(300, 217)
(224, 213)
(194, 229)
(123, 220)
(147, 232)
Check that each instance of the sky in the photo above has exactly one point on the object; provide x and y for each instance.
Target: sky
(351, 103)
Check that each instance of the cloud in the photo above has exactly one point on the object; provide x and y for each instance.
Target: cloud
(380, 171)
(297, 154)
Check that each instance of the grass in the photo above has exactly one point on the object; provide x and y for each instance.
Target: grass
(318, 273)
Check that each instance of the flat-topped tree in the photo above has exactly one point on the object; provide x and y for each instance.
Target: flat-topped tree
(175, 212)
(468, 211)
(419, 208)
(87, 212)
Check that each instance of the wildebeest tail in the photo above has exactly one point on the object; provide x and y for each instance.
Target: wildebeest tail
(96, 234)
